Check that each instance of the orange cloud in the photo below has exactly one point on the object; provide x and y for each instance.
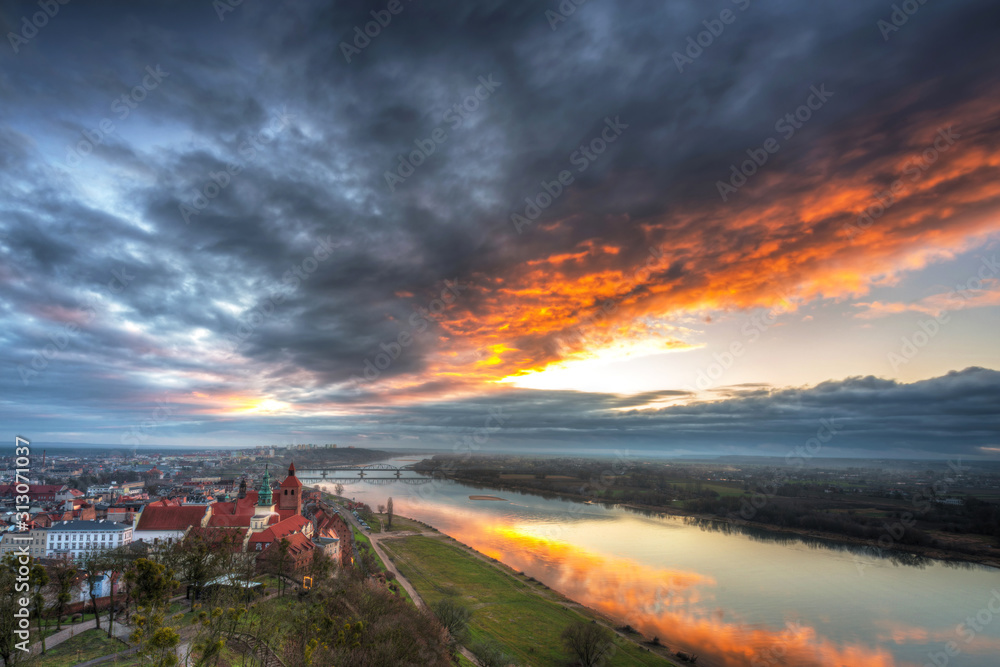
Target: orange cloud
(792, 238)
(937, 304)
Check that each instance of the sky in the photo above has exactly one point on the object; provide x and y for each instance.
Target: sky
(684, 228)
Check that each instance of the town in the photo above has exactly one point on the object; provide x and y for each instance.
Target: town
(217, 525)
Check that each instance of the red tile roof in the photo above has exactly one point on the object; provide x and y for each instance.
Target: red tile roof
(280, 529)
(223, 514)
(159, 517)
(286, 514)
(33, 488)
(219, 537)
(291, 482)
(298, 543)
(166, 502)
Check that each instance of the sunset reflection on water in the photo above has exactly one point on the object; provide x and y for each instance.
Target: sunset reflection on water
(661, 602)
(736, 600)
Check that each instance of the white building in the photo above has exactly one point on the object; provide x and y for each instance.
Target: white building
(69, 539)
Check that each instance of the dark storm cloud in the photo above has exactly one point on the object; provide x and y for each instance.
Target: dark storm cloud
(68, 233)
(950, 415)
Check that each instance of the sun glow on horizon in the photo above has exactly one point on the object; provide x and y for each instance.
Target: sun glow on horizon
(588, 371)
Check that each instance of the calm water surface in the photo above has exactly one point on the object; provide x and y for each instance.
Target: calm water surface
(736, 598)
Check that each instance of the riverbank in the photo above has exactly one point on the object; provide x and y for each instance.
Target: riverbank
(935, 552)
(438, 566)
(447, 567)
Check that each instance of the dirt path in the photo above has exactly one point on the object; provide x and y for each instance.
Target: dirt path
(121, 631)
(375, 539)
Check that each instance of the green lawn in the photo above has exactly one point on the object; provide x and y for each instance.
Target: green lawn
(400, 523)
(504, 607)
(87, 645)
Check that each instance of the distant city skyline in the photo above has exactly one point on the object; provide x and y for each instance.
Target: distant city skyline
(499, 225)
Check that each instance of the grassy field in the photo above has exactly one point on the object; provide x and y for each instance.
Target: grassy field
(505, 608)
(400, 523)
(87, 645)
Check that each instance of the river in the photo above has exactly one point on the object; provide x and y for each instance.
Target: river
(734, 596)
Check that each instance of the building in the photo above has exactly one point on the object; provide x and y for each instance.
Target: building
(301, 551)
(101, 489)
(69, 539)
(253, 522)
(37, 493)
(330, 546)
(166, 521)
(290, 492)
(330, 524)
(74, 538)
(69, 494)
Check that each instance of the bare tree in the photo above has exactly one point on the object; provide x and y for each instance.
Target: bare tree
(62, 580)
(491, 653)
(93, 565)
(388, 510)
(276, 558)
(590, 642)
(197, 562)
(9, 606)
(38, 579)
(119, 561)
(338, 489)
(454, 617)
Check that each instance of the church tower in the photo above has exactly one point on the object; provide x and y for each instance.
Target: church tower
(265, 505)
(290, 497)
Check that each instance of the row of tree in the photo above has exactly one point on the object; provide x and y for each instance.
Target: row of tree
(135, 588)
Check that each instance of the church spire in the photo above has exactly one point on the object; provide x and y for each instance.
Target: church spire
(264, 495)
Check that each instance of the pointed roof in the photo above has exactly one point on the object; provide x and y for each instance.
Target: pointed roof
(291, 481)
(264, 495)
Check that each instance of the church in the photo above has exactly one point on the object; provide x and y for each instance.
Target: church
(253, 522)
